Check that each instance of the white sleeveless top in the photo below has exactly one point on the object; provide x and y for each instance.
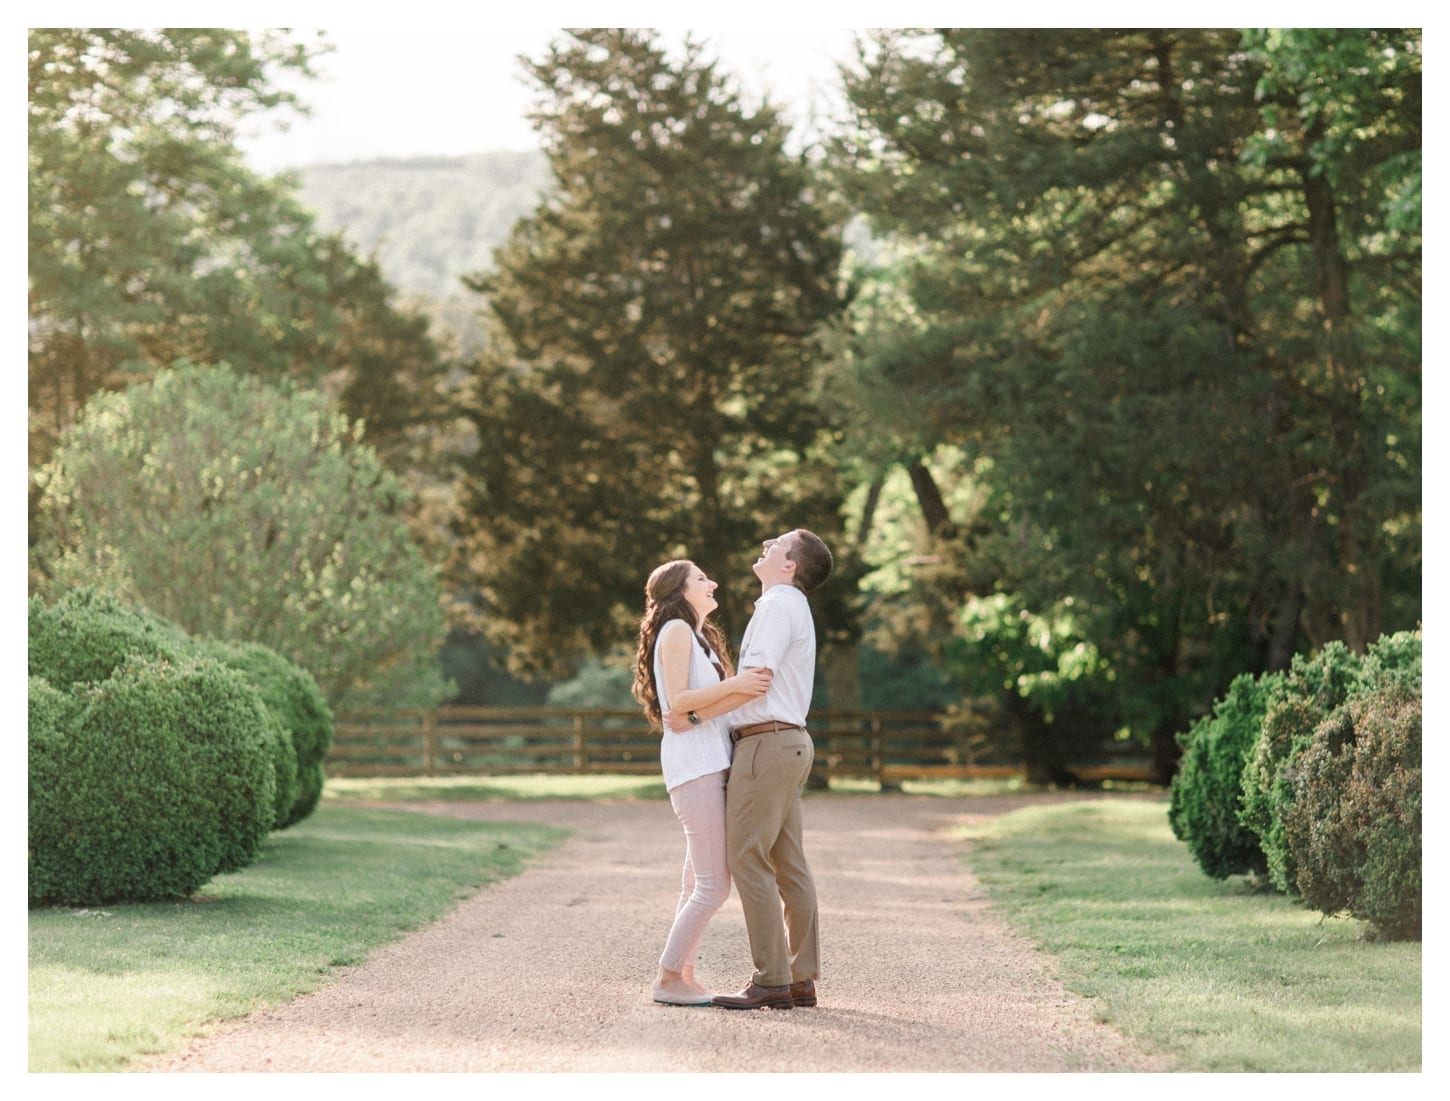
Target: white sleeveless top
(702, 749)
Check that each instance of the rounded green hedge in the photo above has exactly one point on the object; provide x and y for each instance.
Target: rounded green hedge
(1315, 686)
(1355, 825)
(293, 698)
(158, 760)
(1315, 689)
(52, 712)
(86, 635)
(155, 780)
(1206, 796)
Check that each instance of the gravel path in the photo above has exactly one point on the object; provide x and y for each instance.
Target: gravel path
(551, 970)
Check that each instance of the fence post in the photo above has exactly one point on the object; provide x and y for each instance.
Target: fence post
(873, 742)
(430, 748)
(581, 748)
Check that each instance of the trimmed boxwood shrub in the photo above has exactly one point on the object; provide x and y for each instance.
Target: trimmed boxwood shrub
(52, 712)
(293, 698)
(284, 769)
(1206, 796)
(1354, 827)
(158, 780)
(279, 738)
(1395, 659)
(1315, 686)
(86, 635)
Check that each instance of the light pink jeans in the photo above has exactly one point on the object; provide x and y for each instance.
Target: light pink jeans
(705, 881)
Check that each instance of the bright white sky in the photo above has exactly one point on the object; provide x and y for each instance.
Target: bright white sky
(441, 77)
(425, 89)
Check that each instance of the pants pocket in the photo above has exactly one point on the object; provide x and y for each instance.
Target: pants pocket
(754, 756)
(802, 754)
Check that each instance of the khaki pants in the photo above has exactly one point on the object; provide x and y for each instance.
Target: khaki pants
(767, 860)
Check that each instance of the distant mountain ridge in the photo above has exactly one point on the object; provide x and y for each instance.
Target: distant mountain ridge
(428, 220)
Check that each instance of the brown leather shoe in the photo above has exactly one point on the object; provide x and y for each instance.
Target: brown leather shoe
(803, 994)
(757, 997)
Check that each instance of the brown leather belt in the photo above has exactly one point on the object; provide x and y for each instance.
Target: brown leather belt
(761, 728)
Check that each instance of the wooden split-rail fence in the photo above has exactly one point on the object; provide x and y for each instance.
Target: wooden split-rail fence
(886, 746)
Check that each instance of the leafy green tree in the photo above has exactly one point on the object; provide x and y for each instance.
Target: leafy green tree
(240, 511)
(1035, 670)
(648, 386)
(595, 685)
(150, 241)
(1348, 100)
(1177, 335)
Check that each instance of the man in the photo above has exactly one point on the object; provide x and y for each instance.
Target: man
(772, 759)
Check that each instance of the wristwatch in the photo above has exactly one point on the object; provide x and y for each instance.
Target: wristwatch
(694, 719)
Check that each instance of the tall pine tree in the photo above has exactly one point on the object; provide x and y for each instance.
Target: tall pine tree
(648, 389)
(1163, 288)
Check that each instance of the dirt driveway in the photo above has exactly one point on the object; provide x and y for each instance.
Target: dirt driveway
(551, 970)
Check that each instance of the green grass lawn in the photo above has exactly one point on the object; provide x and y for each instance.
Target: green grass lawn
(111, 983)
(606, 786)
(1218, 975)
(493, 788)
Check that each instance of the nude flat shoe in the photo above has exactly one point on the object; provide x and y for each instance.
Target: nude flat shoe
(669, 997)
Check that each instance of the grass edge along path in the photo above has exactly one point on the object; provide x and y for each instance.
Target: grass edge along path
(109, 984)
(1217, 975)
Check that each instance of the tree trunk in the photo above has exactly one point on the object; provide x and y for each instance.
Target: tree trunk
(1283, 632)
(1355, 561)
(1165, 751)
(1046, 751)
(928, 496)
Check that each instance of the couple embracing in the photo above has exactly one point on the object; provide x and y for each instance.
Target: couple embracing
(735, 755)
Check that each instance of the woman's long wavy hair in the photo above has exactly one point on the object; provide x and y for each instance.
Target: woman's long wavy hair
(664, 600)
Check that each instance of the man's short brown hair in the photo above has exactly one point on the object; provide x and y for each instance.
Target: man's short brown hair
(812, 558)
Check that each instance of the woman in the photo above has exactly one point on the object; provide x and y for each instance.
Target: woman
(682, 664)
